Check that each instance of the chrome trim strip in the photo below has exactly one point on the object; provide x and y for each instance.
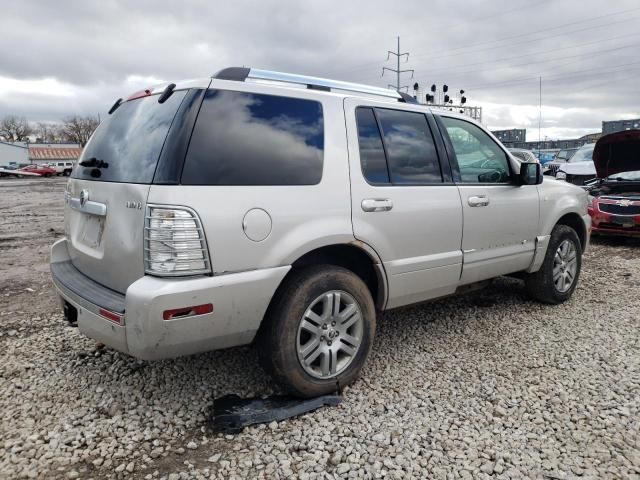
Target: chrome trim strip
(93, 208)
(257, 74)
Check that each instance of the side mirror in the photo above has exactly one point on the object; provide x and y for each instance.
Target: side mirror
(530, 174)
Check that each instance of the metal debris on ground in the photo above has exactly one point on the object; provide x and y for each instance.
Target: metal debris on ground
(232, 413)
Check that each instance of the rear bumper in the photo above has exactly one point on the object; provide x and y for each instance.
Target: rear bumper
(239, 303)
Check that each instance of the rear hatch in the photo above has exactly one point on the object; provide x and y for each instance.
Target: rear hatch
(107, 193)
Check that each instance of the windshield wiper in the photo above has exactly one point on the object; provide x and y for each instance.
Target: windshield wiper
(94, 162)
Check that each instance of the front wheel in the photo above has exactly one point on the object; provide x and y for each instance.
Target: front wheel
(558, 276)
(319, 330)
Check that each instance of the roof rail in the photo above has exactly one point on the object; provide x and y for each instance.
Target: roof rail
(315, 83)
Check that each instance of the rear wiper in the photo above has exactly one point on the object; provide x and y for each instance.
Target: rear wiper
(94, 162)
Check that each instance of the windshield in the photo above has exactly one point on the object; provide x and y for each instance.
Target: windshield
(625, 177)
(584, 153)
(127, 144)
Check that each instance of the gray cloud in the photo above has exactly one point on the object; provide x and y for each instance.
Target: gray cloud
(586, 54)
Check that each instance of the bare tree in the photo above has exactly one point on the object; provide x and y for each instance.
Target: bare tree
(78, 129)
(14, 129)
(48, 132)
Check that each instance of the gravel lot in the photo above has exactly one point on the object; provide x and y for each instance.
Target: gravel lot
(487, 385)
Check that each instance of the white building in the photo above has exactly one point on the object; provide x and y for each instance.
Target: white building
(13, 154)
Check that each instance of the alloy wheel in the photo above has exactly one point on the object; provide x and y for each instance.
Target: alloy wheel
(565, 266)
(329, 334)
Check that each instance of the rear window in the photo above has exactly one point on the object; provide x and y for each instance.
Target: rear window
(130, 140)
(253, 139)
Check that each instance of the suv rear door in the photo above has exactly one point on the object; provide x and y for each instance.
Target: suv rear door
(404, 203)
(107, 193)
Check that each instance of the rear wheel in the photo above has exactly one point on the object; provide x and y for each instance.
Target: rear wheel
(319, 330)
(558, 277)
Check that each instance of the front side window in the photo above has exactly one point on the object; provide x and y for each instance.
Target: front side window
(479, 158)
(253, 139)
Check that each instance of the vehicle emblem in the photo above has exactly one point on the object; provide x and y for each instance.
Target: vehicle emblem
(84, 197)
(624, 203)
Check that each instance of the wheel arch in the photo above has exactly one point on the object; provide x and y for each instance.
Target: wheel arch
(355, 256)
(574, 221)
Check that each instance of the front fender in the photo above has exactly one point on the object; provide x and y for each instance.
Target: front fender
(558, 199)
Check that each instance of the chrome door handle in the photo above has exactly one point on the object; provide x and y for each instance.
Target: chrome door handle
(376, 204)
(478, 201)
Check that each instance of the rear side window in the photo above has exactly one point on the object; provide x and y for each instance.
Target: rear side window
(253, 139)
(397, 147)
(372, 158)
(129, 141)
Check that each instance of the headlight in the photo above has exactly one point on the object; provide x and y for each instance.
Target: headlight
(561, 176)
(174, 242)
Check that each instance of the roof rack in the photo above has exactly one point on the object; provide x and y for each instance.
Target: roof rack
(315, 83)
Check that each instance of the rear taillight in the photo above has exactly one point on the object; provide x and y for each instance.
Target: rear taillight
(174, 242)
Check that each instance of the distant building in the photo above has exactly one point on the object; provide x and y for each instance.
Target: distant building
(511, 136)
(13, 154)
(591, 137)
(54, 152)
(619, 125)
(550, 144)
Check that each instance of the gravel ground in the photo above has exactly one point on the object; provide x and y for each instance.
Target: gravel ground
(486, 385)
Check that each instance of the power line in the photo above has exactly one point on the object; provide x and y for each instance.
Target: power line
(397, 70)
(526, 6)
(466, 65)
(449, 52)
(552, 77)
(546, 60)
(452, 52)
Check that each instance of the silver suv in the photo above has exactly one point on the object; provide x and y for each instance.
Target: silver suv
(288, 210)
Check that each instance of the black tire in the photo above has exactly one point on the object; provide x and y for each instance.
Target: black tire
(278, 337)
(540, 285)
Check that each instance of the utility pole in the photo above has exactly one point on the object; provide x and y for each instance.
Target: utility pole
(540, 117)
(397, 70)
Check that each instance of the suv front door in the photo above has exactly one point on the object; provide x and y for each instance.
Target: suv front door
(404, 202)
(500, 216)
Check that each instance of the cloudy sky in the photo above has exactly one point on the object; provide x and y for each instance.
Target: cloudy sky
(64, 57)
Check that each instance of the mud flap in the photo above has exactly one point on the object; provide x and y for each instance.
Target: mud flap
(232, 413)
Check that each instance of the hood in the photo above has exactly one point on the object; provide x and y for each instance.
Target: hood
(617, 152)
(578, 168)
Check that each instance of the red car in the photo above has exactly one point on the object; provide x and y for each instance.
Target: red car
(615, 196)
(43, 170)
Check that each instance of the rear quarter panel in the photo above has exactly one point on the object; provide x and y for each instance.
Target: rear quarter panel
(302, 217)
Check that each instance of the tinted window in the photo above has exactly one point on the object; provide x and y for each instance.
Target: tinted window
(252, 139)
(480, 159)
(129, 141)
(411, 153)
(372, 158)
